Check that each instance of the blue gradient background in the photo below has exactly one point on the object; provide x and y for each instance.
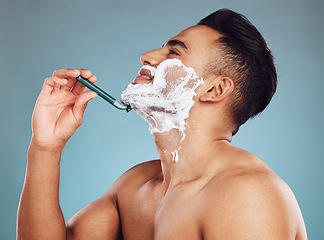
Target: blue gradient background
(108, 37)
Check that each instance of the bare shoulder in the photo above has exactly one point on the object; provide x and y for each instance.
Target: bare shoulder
(138, 175)
(247, 200)
(101, 218)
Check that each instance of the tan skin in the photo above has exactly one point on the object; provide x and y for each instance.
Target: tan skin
(215, 191)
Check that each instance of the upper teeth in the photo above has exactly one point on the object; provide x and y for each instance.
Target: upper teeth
(148, 77)
(151, 69)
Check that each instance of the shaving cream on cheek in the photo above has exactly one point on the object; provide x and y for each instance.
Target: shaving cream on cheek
(165, 103)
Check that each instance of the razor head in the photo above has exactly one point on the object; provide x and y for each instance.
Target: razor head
(129, 107)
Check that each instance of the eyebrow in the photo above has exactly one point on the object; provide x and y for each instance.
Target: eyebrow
(175, 42)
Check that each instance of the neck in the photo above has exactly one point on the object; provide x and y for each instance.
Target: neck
(189, 157)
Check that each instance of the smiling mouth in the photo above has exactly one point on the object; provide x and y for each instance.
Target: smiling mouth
(146, 75)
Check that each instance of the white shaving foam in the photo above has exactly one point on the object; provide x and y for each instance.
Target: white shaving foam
(175, 155)
(165, 103)
(150, 68)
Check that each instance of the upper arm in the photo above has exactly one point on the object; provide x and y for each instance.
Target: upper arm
(101, 218)
(253, 210)
(98, 220)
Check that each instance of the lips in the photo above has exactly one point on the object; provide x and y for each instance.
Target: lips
(146, 73)
(145, 76)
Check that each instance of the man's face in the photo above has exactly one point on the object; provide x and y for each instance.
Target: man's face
(191, 46)
(178, 69)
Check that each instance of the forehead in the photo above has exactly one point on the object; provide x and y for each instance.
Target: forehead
(198, 37)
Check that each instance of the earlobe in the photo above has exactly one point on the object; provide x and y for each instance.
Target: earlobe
(219, 89)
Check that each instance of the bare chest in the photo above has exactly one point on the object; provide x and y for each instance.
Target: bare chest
(150, 216)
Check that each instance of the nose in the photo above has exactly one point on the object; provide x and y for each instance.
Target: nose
(153, 58)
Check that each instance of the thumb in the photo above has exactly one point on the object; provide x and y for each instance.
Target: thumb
(81, 104)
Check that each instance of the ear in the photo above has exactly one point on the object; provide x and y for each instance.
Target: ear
(217, 89)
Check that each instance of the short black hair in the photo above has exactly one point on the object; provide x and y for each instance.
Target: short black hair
(244, 57)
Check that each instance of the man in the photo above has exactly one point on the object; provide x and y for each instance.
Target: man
(213, 190)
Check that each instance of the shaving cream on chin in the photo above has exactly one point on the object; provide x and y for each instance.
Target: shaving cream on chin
(165, 103)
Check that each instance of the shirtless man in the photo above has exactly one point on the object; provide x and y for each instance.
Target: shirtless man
(214, 190)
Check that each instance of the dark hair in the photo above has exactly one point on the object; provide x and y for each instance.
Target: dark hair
(244, 57)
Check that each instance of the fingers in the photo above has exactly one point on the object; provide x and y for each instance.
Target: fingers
(79, 88)
(53, 83)
(81, 104)
(73, 85)
(67, 73)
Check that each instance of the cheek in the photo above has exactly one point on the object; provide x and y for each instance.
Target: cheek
(180, 79)
(174, 77)
(198, 67)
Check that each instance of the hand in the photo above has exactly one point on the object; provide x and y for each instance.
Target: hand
(60, 107)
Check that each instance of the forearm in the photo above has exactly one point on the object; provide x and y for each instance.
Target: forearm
(57, 114)
(39, 213)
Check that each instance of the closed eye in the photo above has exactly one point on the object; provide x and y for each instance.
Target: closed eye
(171, 52)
